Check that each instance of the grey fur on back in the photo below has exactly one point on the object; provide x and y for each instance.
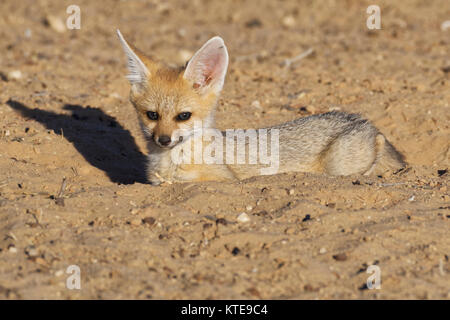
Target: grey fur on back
(335, 143)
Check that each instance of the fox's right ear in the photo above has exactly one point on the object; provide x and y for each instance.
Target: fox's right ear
(138, 73)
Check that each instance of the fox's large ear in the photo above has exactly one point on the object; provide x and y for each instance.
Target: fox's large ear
(137, 71)
(208, 67)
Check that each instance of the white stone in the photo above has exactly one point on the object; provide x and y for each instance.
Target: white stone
(243, 218)
(15, 75)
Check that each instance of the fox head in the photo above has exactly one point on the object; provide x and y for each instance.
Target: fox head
(168, 100)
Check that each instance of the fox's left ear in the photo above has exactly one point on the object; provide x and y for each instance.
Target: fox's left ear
(208, 67)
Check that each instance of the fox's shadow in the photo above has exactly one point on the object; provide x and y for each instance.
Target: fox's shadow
(102, 141)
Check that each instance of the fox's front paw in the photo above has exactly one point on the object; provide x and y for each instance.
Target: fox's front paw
(154, 180)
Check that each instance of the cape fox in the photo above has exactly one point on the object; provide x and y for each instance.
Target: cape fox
(169, 101)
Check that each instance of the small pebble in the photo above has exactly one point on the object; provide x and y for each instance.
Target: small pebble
(340, 257)
(256, 104)
(253, 23)
(59, 273)
(55, 23)
(136, 222)
(28, 33)
(31, 251)
(243, 217)
(322, 251)
(288, 21)
(15, 75)
(149, 220)
(181, 32)
(249, 208)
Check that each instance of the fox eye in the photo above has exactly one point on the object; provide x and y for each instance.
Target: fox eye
(184, 116)
(152, 115)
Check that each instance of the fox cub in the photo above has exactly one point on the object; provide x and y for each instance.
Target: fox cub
(170, 101)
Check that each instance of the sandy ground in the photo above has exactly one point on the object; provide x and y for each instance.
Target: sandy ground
(67, 115)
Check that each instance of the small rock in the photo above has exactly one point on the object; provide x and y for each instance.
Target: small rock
(249, 208)
(12, 249)
(27, 33)
(309, 288)
(243, 218)
(181, 32)
(322, 251)
(340, 257)
(136, 222)
(149, 220)
(291, 192)
(15, 75)
(31, 251)
(253, 23)
(59, 273)
(288, 21)
(256, 104)
(55, 23)
(445, 25)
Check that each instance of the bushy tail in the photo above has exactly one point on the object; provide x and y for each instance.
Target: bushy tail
(387, 159)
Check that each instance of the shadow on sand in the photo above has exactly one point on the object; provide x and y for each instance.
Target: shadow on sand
(102, 141)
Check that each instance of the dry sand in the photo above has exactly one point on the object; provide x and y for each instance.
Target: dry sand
(66, 114)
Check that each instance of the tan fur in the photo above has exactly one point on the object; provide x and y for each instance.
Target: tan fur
(334, 143)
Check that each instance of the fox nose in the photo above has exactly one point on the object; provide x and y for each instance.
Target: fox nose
(164, 140)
